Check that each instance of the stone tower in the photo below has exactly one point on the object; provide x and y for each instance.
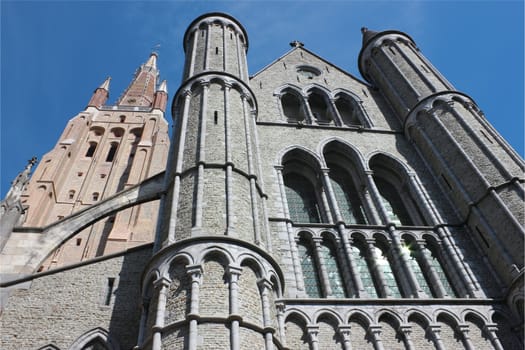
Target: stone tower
(213, 215)
(475, 167)
(103, 150)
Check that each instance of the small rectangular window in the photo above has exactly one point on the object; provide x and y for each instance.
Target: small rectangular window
(109, 290)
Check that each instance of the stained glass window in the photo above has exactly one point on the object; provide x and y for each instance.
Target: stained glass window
(332, 268)
(364, 271)
(302, 202)
(390, 279)
(310, 275)
(435, 264)
(391, 200)
(346, 196)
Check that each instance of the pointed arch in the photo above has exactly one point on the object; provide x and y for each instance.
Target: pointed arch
(320, 106)
(292, 105)
(95, 339)
(349, 109)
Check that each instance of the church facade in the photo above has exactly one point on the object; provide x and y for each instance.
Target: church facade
(296, 208)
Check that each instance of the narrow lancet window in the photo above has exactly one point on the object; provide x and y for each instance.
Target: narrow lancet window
(346, 196)
(312, 284)
(301, 198)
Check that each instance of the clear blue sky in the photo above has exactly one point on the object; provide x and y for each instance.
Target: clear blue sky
(54, 54)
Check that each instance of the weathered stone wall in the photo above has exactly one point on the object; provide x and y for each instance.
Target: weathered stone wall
(57, 308)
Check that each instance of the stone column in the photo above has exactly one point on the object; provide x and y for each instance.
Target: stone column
(265, 288)
(162, 284)
(325, 281)
(436, 284)
(230, 229)
(196, 229)
(344, 332)
(490, 330)
(371, 252)
(375, 334)
(143, 319)
(463, 329)
(406, 330)
(281, 308)
(195, 272)
(433, 332)
(234, 272)
(313, 332)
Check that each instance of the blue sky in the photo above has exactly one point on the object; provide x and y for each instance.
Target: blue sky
(54, 54)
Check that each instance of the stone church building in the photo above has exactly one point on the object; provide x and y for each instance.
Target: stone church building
(296, 208)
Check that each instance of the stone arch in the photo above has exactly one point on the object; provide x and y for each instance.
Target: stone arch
(214, 289)
(295, 330)
(347, 151)
(397, 196)
(117, 132)
(292, 105)
(390, 335)
(506, 333)
(327, 313)
(476, 330)
(179, 291)
(328, 324)
(448, 325)
(359, 335)
(215, 252)
(320, 105)
(249, 297)
(49, 347)
(419, 323)
(95, 337)
(349, 108)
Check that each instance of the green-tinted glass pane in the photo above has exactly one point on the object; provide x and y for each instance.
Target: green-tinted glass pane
(392, 203)
(346, 196)
(417, 270)
(310, 274)
(302, 202)
(332, 268)
(390, 279)
(364, 271)
(434, 263)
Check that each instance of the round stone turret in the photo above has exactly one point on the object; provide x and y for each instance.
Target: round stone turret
(216, 42)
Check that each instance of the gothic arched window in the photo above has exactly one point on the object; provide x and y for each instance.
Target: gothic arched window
(346, 196)
(312, 284)
(292, 107)
(319, 108)
(348, 110)
(392, 202)
(301, 198)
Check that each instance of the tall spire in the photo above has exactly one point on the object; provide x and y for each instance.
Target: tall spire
(141, 90)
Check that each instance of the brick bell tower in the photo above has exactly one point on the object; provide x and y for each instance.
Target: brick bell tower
(103, 150)
(211, 275)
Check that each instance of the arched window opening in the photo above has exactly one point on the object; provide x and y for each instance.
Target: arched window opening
(117, 132)
(346, 196)
(71, 194)
(349, 111)
(417, 267)
(301, 198)
(319, 108)
(292, 108)
(362, 266)
(435, 264)
(112, 151)
(312, 283)
(95, 196)
(392, 203)
(389, 278)
(333, 268)
(91, 149)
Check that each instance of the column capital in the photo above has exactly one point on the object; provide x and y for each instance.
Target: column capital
(344, 331)
(234, 270)
(186, 93)
(313, 332)
(264, 284)
(162, 282)
(195, 271)
(281, 307)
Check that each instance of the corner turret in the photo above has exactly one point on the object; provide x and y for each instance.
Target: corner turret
(100, 95)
